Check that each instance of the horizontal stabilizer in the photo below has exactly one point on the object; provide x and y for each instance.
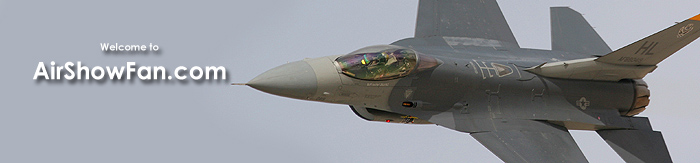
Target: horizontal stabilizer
(572, 33)
(657, 47)
(641, 144)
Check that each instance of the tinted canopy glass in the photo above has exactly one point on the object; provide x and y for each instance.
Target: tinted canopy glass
(378, 62)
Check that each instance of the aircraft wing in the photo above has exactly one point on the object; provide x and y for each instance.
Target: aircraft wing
(510, 139)
(530, 141)
(464, 22)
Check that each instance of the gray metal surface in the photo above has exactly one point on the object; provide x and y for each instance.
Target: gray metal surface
(641, 144)
(531, 141)
(519, 103)
(295, 80)
(657, 47)
(463, 18)
(572, 33)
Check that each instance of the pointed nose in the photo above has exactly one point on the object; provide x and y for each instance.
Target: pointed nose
(294, 80)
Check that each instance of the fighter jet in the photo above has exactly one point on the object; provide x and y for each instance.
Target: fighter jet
(464, 70)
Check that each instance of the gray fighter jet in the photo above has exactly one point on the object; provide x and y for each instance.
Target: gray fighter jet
(464, 70)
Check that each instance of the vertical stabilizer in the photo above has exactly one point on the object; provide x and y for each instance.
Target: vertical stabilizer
(572, 33)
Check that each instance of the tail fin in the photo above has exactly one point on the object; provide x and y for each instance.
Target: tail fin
(572, 33)
(657, 47)
(633, 61)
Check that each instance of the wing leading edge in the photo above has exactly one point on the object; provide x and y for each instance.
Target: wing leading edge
(476, 19)
(530, 141)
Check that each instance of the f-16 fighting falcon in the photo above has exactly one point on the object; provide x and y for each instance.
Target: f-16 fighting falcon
(463, 69)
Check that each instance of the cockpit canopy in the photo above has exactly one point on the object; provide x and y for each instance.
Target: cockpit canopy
(382, 62)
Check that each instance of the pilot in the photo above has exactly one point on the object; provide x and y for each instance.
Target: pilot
(378, 65)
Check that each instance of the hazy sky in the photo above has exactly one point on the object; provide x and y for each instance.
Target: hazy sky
(171, 121)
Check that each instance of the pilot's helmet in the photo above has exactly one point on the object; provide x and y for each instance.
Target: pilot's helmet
(381, 62)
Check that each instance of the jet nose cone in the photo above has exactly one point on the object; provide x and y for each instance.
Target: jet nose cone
(294, 80)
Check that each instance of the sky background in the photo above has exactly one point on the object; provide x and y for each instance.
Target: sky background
(210, 121)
